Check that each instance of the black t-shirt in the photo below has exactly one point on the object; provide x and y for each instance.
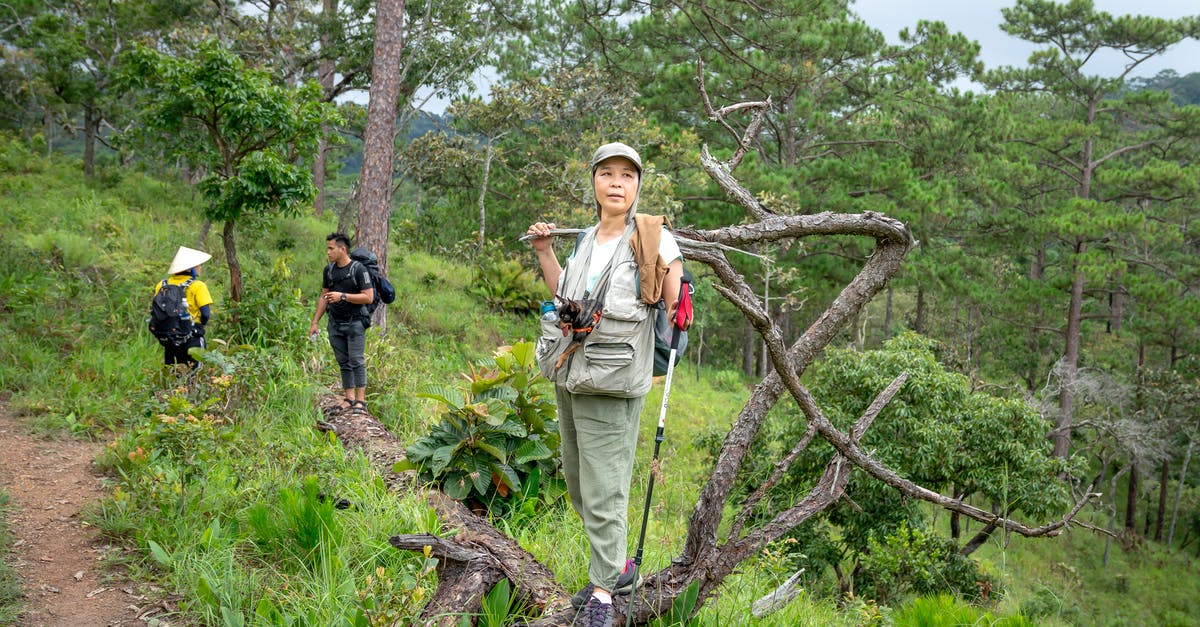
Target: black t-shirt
(353, 278)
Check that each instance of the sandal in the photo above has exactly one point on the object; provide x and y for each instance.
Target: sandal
(345, 405)
(358, 406)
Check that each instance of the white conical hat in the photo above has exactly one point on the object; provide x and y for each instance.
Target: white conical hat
(186, 259)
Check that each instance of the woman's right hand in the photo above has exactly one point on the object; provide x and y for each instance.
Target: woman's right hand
(542, 240)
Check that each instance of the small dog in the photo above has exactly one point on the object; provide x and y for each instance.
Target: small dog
(577, 317)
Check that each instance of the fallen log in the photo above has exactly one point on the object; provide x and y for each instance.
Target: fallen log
(470, 562)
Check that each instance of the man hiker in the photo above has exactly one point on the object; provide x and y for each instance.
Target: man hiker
(346, 291)
(186, 328)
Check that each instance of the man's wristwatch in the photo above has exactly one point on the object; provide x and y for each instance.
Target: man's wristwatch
(343, 297)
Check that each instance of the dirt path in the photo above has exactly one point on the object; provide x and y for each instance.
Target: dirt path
(50, 482)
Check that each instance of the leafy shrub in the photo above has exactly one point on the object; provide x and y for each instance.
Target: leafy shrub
(183, 424)
(1046, 604)
(64, 249)
(920, 561)
(504, 284)
(274, 311)
(498, 434)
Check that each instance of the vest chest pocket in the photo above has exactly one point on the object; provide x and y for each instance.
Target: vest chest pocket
(622, 302)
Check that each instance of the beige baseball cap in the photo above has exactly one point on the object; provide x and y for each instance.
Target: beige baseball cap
(186, 259)
(616, 149)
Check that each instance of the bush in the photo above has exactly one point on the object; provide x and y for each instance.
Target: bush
(1045, 604)
(505, 285)
(920, 561)
(499, 435)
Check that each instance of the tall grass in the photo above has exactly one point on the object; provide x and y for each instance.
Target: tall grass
(10, 580)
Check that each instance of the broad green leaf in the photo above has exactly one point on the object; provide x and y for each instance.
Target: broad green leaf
(531, 450)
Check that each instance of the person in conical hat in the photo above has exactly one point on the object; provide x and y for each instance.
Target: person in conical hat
(183, 271)
(600, 400)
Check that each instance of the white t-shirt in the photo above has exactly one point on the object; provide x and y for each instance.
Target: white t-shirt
(668, 249)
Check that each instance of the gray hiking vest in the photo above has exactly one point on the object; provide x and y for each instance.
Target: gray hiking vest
(617, 357)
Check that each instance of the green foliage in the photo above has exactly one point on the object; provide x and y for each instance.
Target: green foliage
(915, 560)
(500, 606)
(498, 430)
(197, 109)
(275, 312)
(506, 285)
(300, 526)
(10, 580)
(943, 610)
(682, 608)
(936, 431)
(193, 108)
(1045, 604)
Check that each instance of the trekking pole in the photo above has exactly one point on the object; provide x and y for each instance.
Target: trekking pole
(681, 316)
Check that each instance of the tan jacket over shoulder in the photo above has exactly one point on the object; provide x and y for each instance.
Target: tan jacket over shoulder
(652, 269)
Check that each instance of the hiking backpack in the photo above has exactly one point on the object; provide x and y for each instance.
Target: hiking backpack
(384, 292)
(664, 330)
(170, 319)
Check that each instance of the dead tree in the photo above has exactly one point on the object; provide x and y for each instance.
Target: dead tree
(478, 556)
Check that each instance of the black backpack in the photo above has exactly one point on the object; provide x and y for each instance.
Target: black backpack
(384, 292)
(664, 330)
(170, 319)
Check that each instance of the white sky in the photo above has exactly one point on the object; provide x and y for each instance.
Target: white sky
(980, 20)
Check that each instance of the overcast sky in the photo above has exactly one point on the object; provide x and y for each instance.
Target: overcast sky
(980, 20)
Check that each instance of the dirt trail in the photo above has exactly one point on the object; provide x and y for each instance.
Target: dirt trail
(50, 482)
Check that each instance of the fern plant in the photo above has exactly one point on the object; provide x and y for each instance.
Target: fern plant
(497, 431)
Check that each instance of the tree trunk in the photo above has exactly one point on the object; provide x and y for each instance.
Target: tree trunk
(1187, 457)
(1164, 481)
(375, 182)
(955, 526)
(887, 315)
(919, 322)
(1131, 499)
(1070, 365)
(473, 559)
(235, 269)
(202, 236)
(487, 171)
(978, 540)
(325, 78)
(749, 347)
(1112, 513)
(91, 124)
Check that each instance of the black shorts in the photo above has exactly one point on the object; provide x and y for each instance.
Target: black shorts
(179, 354)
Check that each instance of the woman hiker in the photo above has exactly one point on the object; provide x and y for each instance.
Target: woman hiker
(601, 386)
(183, 271)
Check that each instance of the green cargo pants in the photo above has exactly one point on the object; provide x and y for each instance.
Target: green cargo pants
(599, 439)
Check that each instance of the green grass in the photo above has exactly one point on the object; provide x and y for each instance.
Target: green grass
(10, 581)
(215, 486)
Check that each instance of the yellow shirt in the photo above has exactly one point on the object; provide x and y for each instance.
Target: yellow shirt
(197, 294)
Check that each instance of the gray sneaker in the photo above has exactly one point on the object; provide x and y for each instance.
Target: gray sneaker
(595, 614)
(624, 586)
